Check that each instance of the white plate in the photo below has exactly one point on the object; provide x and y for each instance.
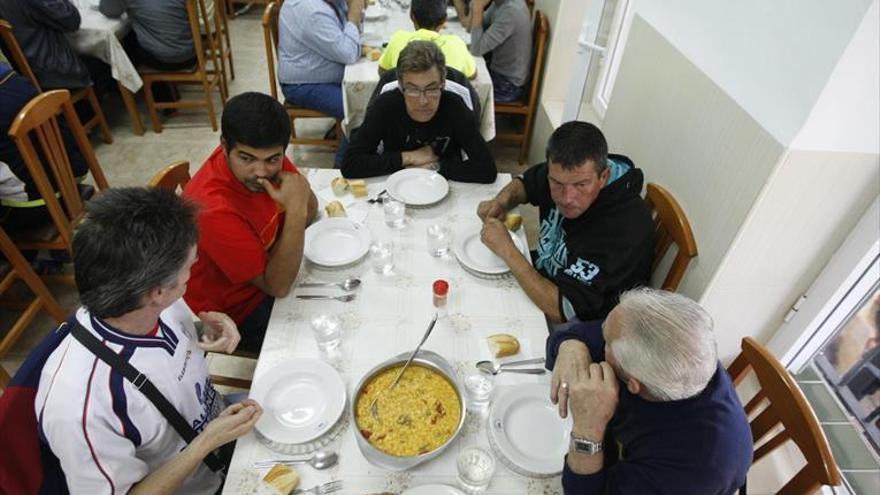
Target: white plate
(302, 400)
(433, 490)
(474, 255)
(336, 242)
(526, 432)
(417, 186)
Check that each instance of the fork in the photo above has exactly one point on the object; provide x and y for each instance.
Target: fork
(380, 198)
(329, 487)
(342, 298)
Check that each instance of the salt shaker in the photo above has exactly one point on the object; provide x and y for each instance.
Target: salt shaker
(441, 292)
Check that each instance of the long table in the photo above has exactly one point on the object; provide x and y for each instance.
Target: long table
(388, 318)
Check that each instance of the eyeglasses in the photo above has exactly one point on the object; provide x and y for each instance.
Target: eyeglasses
(431, 93)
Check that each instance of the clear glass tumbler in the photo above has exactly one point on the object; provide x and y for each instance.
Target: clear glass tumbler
(439, 237)
(475, 469)
(382, 257)
(328, 334)
(395, 213)
(478, 386)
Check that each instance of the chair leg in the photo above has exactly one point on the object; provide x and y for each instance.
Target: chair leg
(526, 140)
(106, 136)
(229, 54)
(209, 99)
(4, 379)
(151, 107)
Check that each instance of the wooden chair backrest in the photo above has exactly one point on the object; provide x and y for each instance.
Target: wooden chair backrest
(670, 226)
(173, 177)
(39, 118)
(785, 406)
(4, 379)
(15, 51)
(540, 32)
(270, 38)
(197, 13)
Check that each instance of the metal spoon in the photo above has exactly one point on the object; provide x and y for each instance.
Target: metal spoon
(347, 285)
(493, 369)
(321, 459)
(343, 297)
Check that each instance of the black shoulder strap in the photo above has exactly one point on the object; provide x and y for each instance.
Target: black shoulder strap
(142, 383)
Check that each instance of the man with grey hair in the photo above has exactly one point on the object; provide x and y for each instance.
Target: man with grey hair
(420, 125)
(596, 233)
(653, 410)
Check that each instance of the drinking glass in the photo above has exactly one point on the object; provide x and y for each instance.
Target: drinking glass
(475, 469)
(478, 386)
(438, 239)
(395, 212)
(328, 334)
(382, 257)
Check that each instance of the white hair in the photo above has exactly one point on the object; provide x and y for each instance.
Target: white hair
(666, 342)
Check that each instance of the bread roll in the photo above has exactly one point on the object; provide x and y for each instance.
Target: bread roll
(503, 344)
(374, 54)
(335, 209)
(513, 221)
(282, 478)
(358, 187)
(339, 186)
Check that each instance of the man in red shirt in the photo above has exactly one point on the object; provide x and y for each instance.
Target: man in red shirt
(255, 206)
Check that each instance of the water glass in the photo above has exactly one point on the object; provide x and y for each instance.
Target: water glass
(478, 386)
(395, 212)
(439, 237)
(475, 469)
(382, 257)
(328, 334)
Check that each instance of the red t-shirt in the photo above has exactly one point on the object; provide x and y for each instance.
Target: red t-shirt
(237, 227)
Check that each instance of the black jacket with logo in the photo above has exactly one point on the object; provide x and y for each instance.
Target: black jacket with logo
(603, 252)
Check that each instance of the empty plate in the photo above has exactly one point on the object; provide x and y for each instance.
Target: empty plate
(475, 256)
(433, 489)
(417, 186)
(302, 400)
(336, 242)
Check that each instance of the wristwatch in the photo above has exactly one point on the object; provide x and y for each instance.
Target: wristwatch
(585, 446)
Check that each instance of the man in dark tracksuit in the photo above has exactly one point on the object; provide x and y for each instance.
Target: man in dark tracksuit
(596, 232)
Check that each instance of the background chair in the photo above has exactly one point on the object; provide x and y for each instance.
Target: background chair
(526, 108)
(4, 379)
(76, 95)
(670, 226)
(787, 407)
(270, 36)
(200, 75)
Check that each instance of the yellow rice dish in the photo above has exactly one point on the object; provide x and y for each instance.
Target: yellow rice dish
(419, 415)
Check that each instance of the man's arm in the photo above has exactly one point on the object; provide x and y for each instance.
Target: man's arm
(480, 165)
(484, 41)
(464, 17)
(326, 38)
(513, 194)
(361, 158)
(57, 14)
(112, 8)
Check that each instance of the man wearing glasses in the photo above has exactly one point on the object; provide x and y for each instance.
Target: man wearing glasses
(420, 125)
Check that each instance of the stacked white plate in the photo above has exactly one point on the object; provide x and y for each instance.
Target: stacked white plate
(335, 242)
(417, 187)
(303, 402)
(526, 432)
(433, 489)
(478, 259)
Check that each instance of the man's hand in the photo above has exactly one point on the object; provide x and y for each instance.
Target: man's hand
(571, 358)
(480, 5)
(594, 394)
(220, 332)
(491, 209)
(496, 237)
(234, 422)
(292, 192)
(420, 157)
(355, 11)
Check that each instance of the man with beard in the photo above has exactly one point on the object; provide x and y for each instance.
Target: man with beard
(255, 206)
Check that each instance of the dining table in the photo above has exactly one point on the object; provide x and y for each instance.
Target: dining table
(381, 21)
(387, 317)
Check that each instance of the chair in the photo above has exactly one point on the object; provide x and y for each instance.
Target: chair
(88, 93)
(215, 45)
(270, 36)
(4, 379)
(786, 406)
(38, 119)
(20, 269)
(670, 226)
(221, 9)
(527, 108)
(198, 75)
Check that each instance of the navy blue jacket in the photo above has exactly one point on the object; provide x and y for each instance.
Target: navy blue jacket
(696, 446)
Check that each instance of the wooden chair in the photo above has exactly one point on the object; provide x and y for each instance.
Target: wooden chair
(215, 46)
(670, 226)
(20, 269)
(19, 59)
(4, 379)
(270, 36)
(527, 107)
(221, 10)
(785, 406)
(199, 75)
(38, 119)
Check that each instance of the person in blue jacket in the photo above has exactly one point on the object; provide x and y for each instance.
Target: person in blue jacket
(653, 410)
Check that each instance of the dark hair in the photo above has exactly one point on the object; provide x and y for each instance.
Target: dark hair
(131, 241)
(256, 120)
(428, 14)
(420, 56)
(574, 143)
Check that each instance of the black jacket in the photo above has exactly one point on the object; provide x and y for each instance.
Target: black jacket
(594, 257)
(388, 130)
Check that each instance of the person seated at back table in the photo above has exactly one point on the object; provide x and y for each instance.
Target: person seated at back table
(161, 36)
(653, 411)
(255, 206)
(501, 32)
(429, 17)
(420, 125)
(596, 237)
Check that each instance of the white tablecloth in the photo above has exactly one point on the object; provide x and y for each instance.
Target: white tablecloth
(387, 318)
(98, 36)
(362, 76)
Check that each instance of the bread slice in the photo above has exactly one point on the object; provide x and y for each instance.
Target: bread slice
(358, 187)
(335, 209)
(503, 344)
(282, 478)
(339, 186)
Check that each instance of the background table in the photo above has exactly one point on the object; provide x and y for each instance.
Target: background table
(362, 76)
(388, 318)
